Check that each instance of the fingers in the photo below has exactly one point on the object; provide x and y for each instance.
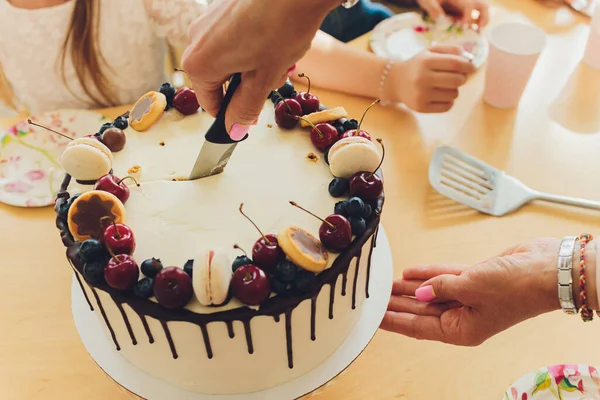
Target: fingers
(209, 95)
(445, 62)
(484, 13)
(404, 287)
(425, 272)
(413, 306)
(441, 288)
(446, 95)
(433, 8)
(415, 326)
(436, 107)
(448, 80)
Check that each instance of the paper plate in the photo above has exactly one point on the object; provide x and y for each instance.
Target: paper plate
(557, 382)
(406, 35)
(30, 170)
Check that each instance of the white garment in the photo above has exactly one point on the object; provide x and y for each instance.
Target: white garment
(132, 38)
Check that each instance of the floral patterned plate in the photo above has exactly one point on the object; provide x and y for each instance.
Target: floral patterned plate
(557, 382)
(405, 35)
(30, 170)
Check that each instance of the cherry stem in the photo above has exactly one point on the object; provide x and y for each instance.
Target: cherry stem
(380, 141)
(301, 75)
(252, 222)
(314, 215)
(286, 104)
(321, 136)
(129, 177)
(248, 276)
(112, 254)
(30, 122)
(112, 220)
(365, 113)
(235, 246)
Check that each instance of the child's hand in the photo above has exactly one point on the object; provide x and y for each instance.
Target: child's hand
(429, 82)
(462, 8)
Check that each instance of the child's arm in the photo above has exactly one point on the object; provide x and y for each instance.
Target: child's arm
(171, 18)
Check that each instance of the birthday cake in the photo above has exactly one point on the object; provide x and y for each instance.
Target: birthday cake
(239, 281)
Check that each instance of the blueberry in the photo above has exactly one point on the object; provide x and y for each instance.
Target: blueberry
(92, 250)
(151, 267)
(304, 281)
(326, 156)
(355, 207)
(143, 288)
(358, 225)
(293, 94)
(350, 124)
(93, 272)
(121, 123)
(73, 198)
(169, 91)
(277, 101)
(338, 187)
(285, 271)
(278, 287)
(339, 126)
(286, 90)
(273, 96)
(341, 208)
(188, 267)
(104, 127)
(240, 261)
(63, 209)
(368, 211)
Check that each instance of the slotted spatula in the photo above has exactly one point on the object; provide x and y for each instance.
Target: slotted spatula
(472, 182)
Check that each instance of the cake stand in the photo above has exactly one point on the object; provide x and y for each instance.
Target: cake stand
(149, 387)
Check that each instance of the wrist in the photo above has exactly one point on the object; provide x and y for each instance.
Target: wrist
(590, 257)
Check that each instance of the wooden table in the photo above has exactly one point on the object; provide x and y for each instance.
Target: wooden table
(548, 143)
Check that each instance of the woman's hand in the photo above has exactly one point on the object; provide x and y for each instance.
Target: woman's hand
(462, 8)
(468, 305)
(261, 39)
(429, 82)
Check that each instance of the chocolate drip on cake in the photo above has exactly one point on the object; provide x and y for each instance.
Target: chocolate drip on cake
(273, 306)
(313, 317)
(373, 240)
(230, 329)
(127, 324)
(146, 328)
(87, 299)
(169, 339)
(355, 282)
(108, 325)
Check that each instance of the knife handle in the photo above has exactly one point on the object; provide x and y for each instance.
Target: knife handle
(218, 132)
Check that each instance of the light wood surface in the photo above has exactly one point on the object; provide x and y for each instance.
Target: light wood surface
(550, 142)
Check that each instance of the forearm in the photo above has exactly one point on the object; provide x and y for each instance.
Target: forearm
(333, 65)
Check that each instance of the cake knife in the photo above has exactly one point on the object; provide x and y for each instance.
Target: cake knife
(218, 146)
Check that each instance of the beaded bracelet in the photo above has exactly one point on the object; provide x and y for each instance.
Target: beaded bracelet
(384, 75)
(586, 313)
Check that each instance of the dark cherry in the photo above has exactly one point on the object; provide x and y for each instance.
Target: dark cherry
(368, 185)
(266, 252)
(112, 184)
(151, 267)
(119, 239)
(286, 113)
(121, 272)
(250, 285)
(308, 101)
(323, 136)
(335, 232)
(172, 288)
(185, 101)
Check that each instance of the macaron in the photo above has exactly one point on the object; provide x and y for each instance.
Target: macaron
(147, 110)
(303, 249)
(211, 277)
(91, 212)
(86, 159)
(351, 155)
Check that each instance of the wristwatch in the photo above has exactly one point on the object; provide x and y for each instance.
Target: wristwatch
(565, 280)
(349, 3)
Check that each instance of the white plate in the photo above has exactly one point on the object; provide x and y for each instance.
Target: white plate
(406, 35)
(30, 170)
(557, 382)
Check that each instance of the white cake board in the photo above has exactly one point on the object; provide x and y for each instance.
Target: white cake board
(149, 387)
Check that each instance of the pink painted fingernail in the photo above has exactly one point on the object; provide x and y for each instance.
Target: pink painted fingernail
(425, 294)
(238, 131)
(291, 70)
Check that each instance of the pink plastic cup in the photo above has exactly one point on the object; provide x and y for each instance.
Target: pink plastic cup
(514, 50)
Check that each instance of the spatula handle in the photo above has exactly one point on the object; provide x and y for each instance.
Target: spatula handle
(572, 201)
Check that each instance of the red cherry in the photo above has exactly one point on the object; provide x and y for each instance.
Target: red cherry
(111, 184)
(308, 101)
(266, 252)
(287, 112)
(354, 132)
(250, 285)
(185, 101)
(323, 136)
(119, 239)
(336, 233)
(172, 288)
(121, 272)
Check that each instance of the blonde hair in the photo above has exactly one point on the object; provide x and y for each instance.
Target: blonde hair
(81, 44)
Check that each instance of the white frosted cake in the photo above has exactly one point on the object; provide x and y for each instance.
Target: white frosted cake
(264, 318)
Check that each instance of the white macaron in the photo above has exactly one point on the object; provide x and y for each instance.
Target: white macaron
(86, 159)
(351, 155)
(212, 276)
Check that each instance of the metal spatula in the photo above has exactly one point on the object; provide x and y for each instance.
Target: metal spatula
(472, 182)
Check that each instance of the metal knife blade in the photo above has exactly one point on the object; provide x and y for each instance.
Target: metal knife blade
(218, 146)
